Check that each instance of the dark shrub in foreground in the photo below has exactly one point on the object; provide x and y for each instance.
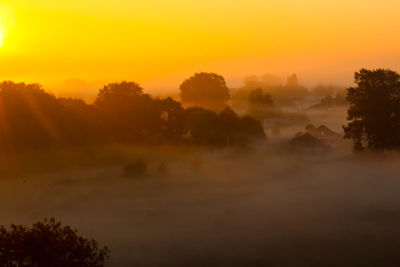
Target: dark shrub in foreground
(47, 243)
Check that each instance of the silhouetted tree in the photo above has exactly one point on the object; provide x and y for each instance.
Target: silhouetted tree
(336, 100)
(48, 244)
(173, 118)
(81, 123)
(374, 112)
(240, 99)
(230, 125)
(203, 125)
(261, 105)
(282, 94)
(129, 113)
(30, 117)
(207, 90)
(293, 90)
(251, 127)
(258, 99)
(240, 129)
(122, 112)
(208, 127)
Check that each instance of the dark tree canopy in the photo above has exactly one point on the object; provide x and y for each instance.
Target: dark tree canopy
(374, 112)
(261, 105)
(282, 93)
(33, 119)
(207, 90)
(208, 127)
(258, 98)
(117, 93)
(173, 118)
(48, 244)
(127, 111)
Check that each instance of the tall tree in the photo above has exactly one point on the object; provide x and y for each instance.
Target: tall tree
(374, 112)
(207, 90)
(173, 118)
(293, 90)
(129, 113)
(30, 117)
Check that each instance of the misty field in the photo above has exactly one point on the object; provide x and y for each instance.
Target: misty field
(199, 133)
(232, 207)
(280, 176)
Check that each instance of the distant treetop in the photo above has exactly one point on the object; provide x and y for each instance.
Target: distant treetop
(206, 90)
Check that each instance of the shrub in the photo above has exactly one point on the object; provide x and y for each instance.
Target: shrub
(47, 243)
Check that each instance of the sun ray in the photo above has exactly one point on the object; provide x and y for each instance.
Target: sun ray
(36, 110)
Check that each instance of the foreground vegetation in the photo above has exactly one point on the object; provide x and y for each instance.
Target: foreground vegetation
(48, 243)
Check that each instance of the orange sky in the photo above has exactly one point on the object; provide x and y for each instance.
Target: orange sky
(158, 42)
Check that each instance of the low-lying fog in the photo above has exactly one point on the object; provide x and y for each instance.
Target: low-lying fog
(235, 207)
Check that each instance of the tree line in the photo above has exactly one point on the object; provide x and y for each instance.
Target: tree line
(32, 118)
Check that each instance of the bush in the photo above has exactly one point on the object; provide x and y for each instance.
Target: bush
(47, 243)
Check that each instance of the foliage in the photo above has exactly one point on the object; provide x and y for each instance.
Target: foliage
(33, 119)
(207, 90)
(374, 112)
(294, 91)
(261, 105)
(208, 127)
(47, 243)
(30, 115)
(339, 99)
(173, 117)
(281, 93)
(127, 111)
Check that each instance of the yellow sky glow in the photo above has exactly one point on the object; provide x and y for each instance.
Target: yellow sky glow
(1, 36)
(158, 43)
